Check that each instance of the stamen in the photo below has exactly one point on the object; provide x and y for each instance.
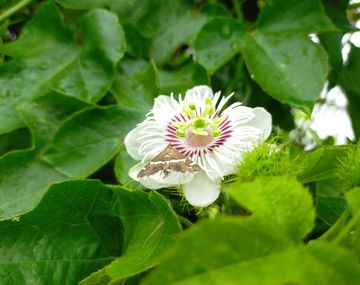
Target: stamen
(199, 124)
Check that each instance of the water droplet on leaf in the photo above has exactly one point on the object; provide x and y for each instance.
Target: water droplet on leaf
(226, 32)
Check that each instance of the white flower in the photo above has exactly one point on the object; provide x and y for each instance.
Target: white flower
(197, 127)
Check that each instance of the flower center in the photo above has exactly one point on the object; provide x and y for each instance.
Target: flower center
(197, 140)
(201, 127)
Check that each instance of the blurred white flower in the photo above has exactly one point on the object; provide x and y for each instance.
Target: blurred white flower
(328, 119)
(331, 119)
(197, 127)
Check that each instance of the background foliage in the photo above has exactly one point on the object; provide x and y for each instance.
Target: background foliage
(77, 75)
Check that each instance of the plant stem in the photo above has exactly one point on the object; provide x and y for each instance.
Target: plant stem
(18, 6)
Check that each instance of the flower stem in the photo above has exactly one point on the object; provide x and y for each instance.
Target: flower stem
(18, 6)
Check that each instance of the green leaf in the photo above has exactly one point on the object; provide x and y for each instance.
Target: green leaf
(337, 11)
(136, 85)
(332, 44)
(44, 116)
(81, 226)
(170, 24)
(330, 204)
(278, 54)
(89, 139)
(239, 251)
(281, 203)
(126, 10)
(179, 80)
(218, 42)
(48, 56)
(136, 45)
(350, 83)
(321, 164)
(23, 181)
(351, 231)
(292, 16)
(213, 245)
(90, 74)
(291, 68)
(351, 72)
(146, 238)
(15, 140)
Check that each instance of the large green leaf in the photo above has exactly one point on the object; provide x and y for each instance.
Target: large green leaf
(44, 116)
(48, 56)
(89, 139)
(171, 24)
(23, 181)
(136, 85)
(291, 69)
(281, 203)
(212, 245)
(293, 16)
(179, 80)
(239, 251)
(217, 42)
(80, 226)
(278, 54)
(146, 238)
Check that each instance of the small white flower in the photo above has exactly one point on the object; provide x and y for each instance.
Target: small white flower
(197, 127)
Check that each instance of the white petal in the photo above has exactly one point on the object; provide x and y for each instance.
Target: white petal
(262, 120)
(140, 148)
(165, 108)
(198, 94)
(132, 144)
(202, 191)
(159, 180)
(208, 164)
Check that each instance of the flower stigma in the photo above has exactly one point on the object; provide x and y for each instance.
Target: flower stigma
(201, 128)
